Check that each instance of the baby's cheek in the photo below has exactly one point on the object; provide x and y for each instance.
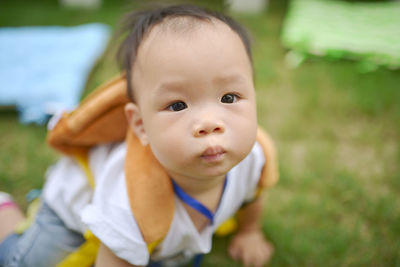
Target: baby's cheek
(247, 139)
(169, 151)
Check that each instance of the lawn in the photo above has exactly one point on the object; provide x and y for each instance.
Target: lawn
(337, 132)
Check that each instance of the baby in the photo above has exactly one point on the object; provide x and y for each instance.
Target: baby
(192, 105)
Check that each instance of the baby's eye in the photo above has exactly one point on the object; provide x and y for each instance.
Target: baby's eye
(177, 106)
(229, 98)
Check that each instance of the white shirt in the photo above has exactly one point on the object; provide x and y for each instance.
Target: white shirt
(106, 211)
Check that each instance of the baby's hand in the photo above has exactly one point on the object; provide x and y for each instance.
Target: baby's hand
(251, 247)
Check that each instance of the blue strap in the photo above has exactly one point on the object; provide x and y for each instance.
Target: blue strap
(193, 202)
(197, 260)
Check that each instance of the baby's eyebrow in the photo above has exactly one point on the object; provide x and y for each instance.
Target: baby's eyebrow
(169, 86)
(176, 86)
(229, 79)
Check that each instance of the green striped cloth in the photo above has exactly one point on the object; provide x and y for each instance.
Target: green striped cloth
(365, 31)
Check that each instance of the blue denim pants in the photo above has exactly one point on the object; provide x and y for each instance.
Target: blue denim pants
(45, 244)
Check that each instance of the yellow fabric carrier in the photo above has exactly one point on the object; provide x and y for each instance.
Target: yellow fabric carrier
(100, 119)
(33, 208)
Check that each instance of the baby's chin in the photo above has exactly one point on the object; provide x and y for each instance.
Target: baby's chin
(201, 169)
(218, 171)
(203, 174)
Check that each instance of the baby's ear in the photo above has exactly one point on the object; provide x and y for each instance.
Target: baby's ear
(135, 122)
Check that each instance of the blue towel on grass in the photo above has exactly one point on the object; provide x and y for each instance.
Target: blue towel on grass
(44, 69)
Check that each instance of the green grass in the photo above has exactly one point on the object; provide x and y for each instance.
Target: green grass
(337, 132)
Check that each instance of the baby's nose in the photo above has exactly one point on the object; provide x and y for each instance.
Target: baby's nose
(208, 126)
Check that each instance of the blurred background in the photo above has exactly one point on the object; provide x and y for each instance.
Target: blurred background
(328, 91)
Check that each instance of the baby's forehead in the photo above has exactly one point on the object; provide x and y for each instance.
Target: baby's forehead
(183, 27)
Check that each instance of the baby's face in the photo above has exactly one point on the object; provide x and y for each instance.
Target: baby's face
(195, 100)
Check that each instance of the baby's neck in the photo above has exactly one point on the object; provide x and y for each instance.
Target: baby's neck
(196, 187)
(207, 192)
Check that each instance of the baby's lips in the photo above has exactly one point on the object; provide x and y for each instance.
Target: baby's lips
(213, 150)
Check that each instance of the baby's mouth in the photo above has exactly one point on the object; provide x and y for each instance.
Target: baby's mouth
(213, 154)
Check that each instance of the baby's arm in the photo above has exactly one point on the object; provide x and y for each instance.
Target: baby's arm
(106, 258)
(249, 243)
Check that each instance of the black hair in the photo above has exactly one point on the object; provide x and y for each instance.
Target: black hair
(138, 24)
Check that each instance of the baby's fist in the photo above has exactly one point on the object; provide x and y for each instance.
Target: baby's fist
(251, 247)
